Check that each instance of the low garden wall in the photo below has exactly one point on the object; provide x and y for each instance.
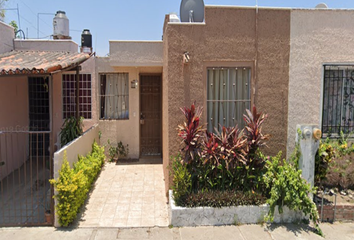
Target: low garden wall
(208, 216)
(341, 213)
(80, 146)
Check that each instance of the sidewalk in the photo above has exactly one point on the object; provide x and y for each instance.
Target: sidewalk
(342, 231)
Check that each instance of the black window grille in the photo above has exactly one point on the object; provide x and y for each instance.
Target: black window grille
(338, 100)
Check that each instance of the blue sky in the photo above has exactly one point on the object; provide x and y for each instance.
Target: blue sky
(123, 19)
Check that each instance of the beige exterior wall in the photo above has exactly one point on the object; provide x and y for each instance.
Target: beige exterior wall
(80, 146)
(317, 37)
(135, 53)
(45, 45)
(88, 67)
(230, 36)
(14, 116)
(127, 131)
(6, 37)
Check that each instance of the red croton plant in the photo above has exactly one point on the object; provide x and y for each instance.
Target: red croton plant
(191, 132)
(231, 145)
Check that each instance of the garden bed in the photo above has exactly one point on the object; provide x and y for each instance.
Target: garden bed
(208, 216)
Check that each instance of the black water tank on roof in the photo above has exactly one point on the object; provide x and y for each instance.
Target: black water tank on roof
(86, 39)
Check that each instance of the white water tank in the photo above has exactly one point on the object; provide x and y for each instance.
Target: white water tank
(61, 26)
(174, 17)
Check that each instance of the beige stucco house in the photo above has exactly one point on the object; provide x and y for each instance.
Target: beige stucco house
(296, 65)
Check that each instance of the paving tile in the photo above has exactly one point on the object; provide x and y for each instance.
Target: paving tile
(147, 222)
(121, 214)
(134, 214)
(105, 222)
(119, 222)
(134, 222)
(125, 194)
(136, 207)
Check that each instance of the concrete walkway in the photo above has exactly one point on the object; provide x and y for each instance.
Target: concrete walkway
(127, 195)
(341, 231)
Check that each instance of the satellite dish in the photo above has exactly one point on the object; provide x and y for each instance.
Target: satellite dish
(192, 11)
(321, 5)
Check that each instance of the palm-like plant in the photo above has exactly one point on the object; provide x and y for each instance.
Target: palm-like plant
(191, 132)
(254, 135)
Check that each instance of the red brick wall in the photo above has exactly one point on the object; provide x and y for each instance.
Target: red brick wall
(343, 213)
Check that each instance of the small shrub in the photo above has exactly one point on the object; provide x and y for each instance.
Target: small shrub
(181, 180)
(288, 188)
(341, 172)
(71, 129)
(122, 150)
(220, 199)
(323, 158)
(191, 132)
(74, 183)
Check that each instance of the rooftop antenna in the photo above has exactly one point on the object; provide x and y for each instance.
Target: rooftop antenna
(192, 11)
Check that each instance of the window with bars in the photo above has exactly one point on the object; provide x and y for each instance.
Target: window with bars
(228, 96)
(69, 95)
(338, 100)
(114, 96)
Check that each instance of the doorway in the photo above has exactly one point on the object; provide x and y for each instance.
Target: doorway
(151, 115)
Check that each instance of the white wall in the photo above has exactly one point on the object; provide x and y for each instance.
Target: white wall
(316, 37)
(46, 45)
(80, 146)
(7, 35)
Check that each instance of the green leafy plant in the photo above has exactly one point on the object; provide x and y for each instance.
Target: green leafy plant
(71, 129)
(74, 183)
(122, 150)
(225, 198)
(340, 173)
(288, 188)
(323, 158)
(112, 151)
(181, 180)
(225, 147)
(191, 132)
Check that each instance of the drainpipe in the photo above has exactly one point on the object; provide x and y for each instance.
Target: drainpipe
(77, 93)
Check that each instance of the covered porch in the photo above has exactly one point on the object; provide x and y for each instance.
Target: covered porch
(30, 96)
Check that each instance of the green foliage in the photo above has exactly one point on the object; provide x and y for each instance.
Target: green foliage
(112, 151)
(71, 129)
(341, 173)
(191, 133)
(225, 198)
(323, 158)
(288, 188)
(74, 183)
(122, 150)
(181, 180)
(119, 151)
(14, 25)
(2, 11)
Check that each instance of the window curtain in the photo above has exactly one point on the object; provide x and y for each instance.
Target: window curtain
(117, 96)
(228, 96)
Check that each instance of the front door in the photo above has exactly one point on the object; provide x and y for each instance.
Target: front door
(150, 115)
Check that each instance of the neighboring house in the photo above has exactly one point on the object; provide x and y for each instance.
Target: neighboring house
(130, 90)
(36, 85)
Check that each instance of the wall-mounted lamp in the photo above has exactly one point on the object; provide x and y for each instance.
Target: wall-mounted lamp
(186, 57)
(134, 84)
